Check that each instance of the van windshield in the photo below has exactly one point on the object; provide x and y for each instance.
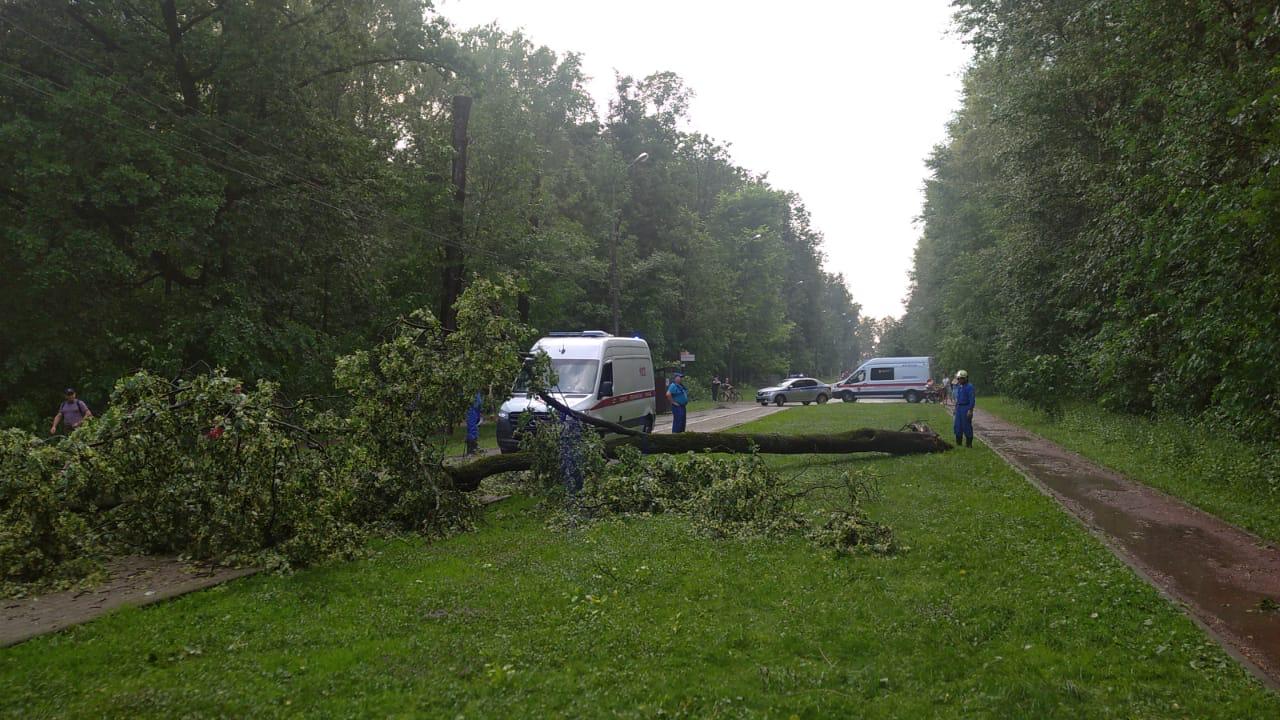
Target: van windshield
(574, 377)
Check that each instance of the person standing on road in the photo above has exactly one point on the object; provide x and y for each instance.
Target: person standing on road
(71, 412)
(679, 398)
(715, 388)
(966, 400)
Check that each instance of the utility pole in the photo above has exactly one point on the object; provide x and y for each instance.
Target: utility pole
(614, 303)
(453, 258)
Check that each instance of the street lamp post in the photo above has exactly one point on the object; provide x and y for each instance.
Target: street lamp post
(614, 304)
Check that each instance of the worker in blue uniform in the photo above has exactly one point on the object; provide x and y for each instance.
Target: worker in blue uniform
(679, 398)
(966, 399)
(473, 424)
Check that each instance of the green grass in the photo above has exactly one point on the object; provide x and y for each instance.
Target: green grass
(457, 442)
(1211, 469)
(1002, 607)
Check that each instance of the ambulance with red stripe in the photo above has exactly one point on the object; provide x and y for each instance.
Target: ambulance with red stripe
(889, 377)
(596, 373)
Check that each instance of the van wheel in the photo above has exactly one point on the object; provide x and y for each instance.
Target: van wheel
(804, 402)
(912, 396)
(779, 400)
(648, 423)
(849, 397)
(822, 399)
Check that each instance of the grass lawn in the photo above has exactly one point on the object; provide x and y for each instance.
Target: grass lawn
(1002, 607)
(457, 442)
(1237, 481)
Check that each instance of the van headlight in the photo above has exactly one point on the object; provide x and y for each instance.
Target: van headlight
(502, 414)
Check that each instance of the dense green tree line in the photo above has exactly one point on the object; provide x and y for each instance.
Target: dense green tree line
(264, 185)
(1104, 217)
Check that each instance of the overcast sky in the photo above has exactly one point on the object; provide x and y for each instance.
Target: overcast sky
(837, 100)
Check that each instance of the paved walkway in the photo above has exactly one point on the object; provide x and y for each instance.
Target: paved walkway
(1224, 577)
(722, 418)
(130, 581)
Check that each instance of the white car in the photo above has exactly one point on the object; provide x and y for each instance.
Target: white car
(796, 389)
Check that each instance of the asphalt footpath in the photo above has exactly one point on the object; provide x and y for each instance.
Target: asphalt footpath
(722, 418)
(1225, 578)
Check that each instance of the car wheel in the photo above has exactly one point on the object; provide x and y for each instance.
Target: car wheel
(779, 400)
(804, 402)
(764, 404)
(649, 421)
(912, 396)
(822, 399)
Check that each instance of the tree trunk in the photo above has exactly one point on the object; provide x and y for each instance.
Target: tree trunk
(467, 477)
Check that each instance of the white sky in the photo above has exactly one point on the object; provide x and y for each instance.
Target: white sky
(839, 101)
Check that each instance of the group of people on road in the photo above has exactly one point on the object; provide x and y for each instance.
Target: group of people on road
(73, 411)
(720, 388)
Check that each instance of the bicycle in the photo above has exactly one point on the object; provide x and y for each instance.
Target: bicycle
(729, 394)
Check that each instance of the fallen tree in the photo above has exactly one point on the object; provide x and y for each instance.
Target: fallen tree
(466, 477)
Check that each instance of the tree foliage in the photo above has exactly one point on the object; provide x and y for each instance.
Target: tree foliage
(262, 186)
(206, 468)
(1102, 219)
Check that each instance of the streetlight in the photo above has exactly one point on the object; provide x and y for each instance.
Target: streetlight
(614, 305)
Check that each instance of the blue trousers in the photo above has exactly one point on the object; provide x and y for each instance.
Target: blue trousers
(473, 423)
(963, 424)
(678, 416)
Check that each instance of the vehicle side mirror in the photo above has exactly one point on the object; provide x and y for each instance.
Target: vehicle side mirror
(606, 388)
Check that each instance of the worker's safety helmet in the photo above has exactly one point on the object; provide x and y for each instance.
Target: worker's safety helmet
(963, 374)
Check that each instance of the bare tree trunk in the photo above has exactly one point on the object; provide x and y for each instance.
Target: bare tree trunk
(467, 477)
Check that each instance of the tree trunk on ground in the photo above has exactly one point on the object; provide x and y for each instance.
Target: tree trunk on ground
(467, 477)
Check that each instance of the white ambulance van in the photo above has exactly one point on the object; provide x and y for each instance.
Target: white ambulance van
(597, 374)
(890, 377)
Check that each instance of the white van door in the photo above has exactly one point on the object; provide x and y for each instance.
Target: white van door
(630, 399)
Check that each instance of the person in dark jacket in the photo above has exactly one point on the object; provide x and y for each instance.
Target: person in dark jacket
(966, 400)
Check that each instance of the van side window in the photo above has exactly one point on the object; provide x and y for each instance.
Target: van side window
(606, 375)
(858, 377)
(882, 373)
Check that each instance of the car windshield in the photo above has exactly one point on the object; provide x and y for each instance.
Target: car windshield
(573, 377)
